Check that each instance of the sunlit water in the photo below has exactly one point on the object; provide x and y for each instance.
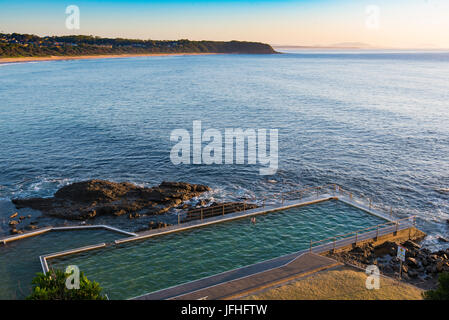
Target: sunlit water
(376, 123)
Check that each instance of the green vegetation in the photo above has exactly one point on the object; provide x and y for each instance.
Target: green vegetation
(52, 286)
(442, 292)
(26, 45)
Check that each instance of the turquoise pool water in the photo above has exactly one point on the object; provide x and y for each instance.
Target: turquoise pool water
(144, 266)
(19, 260)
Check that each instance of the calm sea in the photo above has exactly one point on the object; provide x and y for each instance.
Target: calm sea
(373, 122)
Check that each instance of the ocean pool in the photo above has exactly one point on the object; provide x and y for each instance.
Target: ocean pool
(138, 267)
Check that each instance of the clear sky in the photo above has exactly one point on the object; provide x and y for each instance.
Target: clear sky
(386, 23)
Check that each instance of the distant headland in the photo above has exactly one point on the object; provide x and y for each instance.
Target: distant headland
(16, 47)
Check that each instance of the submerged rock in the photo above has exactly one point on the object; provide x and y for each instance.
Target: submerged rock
(15, 231)
(155, 225)
(88, 199)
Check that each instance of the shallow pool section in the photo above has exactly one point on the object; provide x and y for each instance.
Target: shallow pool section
(19, 260)
(143, 266)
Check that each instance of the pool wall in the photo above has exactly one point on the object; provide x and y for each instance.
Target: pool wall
(48, 229)
(44, 258)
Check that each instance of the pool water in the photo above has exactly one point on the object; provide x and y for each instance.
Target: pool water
(144, 266)
(19, 260)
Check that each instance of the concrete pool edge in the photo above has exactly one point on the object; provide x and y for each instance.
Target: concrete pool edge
(43, 259)
(263, 274)
(288, 204)
(190, 225)
(5, 240)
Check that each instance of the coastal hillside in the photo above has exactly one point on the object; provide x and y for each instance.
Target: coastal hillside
(26, 45)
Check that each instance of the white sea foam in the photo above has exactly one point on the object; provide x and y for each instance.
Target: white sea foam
(4, 64)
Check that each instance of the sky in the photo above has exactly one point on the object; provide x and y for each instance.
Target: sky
(379, 23)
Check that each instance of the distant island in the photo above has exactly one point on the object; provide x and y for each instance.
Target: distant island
(16, 45)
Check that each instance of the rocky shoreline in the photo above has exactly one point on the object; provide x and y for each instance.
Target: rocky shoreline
(87, 200)
(421, 267)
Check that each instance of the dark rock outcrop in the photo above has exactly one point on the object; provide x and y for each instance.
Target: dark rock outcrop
(388, 247)
(421, 266)
(87, 199)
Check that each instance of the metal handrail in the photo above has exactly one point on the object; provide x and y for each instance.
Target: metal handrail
(211, 211)
(282, 196)
(350, 234)
(200, 212)
(354, 196)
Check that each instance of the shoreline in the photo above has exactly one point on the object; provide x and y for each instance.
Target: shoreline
(106, 56)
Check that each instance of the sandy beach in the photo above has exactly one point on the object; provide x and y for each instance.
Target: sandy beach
(54, 58)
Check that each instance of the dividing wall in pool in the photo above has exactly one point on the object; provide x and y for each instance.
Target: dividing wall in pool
(143, 266)
(19, 260)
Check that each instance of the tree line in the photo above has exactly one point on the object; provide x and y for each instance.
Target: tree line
(24, 45)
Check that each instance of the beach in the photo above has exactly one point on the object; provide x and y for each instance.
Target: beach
(110, 56)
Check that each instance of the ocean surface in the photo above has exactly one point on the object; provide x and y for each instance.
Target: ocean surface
(373, 122)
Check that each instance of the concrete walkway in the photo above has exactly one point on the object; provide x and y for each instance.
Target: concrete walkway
(244, 280)
(303, 265)
(220, 278)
